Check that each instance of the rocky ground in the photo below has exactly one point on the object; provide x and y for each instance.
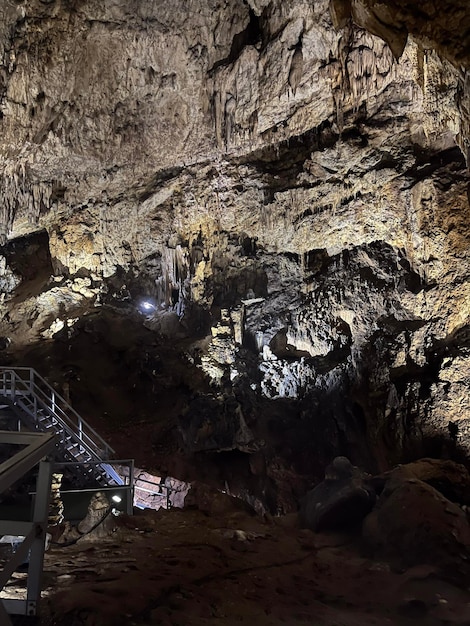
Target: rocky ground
(392, 549)
(225, 566)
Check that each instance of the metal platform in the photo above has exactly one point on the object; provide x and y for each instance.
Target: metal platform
(37, 448)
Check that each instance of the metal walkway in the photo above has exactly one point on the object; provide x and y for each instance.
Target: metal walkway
(32, 413)
(38, 407)
(49, 426)
(36, 447)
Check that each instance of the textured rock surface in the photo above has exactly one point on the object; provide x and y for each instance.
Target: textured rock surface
(289, 198)
(413, 523)
(451, 479)
(342, 500)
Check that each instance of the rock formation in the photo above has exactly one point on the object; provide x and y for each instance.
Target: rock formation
(342, 500)
(413, 523)
(284, 185)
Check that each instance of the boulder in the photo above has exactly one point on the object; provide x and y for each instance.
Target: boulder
(413, 523)
(342, 500)
(449, 478)
(98, 522)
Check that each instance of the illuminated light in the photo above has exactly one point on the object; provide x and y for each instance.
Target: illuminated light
(116, 499)
(147, 306)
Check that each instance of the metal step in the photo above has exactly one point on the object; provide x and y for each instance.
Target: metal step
(37, 405)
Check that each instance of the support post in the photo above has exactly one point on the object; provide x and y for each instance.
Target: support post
(40, 516)
(12, 383)
(130, 499)
(4, 617)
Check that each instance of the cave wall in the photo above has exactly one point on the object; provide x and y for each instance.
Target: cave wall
(284, 181)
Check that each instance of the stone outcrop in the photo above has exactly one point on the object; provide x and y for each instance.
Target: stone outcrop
(56, 505)
(285, 183)
(413, 523)
(443, 26)
(451, 479)
(98, 522)
(341, 501)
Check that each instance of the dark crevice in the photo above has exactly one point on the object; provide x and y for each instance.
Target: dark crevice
(311, 212)
(160, 177)
(281, 163)
(387, 161)
(296, 149)
(250, 36)
(427, 164)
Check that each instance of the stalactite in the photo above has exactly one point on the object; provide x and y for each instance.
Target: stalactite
(366, 65)
(173, 285)
(21, 197)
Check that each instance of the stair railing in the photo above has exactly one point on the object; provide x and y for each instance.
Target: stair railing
(26, 388)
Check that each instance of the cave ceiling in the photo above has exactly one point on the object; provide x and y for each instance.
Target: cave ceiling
(284, 183)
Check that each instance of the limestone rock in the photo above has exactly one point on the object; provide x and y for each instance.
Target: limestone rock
(215, 424)
(342, 500)
(266, 169)
(413, 523)
(98, 523)
(392, 20)
(56, 506)
(451, 479)
(8, 280)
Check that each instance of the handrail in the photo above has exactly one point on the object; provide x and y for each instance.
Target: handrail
(92, 450)
(55, 405)
(58, 413)
(39, 403)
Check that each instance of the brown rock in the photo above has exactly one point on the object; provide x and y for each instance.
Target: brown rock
(99, 522)
(213, 502)
(451, 479)
(413, 523)
(342, 500)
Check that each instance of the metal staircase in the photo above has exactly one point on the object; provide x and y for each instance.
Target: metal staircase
(27, 399)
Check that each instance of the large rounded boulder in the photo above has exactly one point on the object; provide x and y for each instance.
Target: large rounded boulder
(341, 501)
(413, 523)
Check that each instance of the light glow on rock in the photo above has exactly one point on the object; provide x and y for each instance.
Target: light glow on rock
(147, 306)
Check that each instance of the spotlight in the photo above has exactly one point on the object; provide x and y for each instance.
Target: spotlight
(147, 306)
(116, 499)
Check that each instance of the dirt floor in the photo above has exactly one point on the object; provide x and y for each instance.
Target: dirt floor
(186, 567)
